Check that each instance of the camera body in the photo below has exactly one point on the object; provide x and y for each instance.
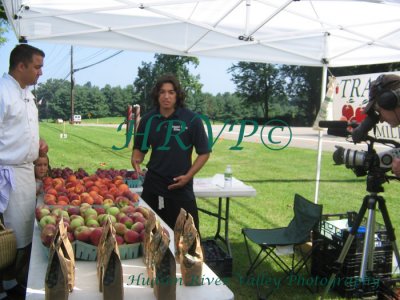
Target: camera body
(363, 161)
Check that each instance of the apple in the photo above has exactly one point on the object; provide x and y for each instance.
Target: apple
(102, 219)
(73, 210)
(84, 206)
(92, 223)
(140, 219)
(131, 236)
(49, 219)
(47, 234)
(127, 221)
(90, 212)
(40, 212)
(95, 235)
(142, 234)
(128, 209)
(120, 215)
(107, 202)
(113, 210)
(100, 210)
(122, 201)
(138, 226)
(70, 236)
(143, 210)
(120, 239)
(136, 215)
(76, 223)
(120, 228)
(82, 233)
(60, 213)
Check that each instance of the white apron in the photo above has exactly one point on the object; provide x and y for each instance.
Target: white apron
(20, 212)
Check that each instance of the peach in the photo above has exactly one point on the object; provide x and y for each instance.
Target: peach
(123, 187)
(51, 191)
(76, 202)
(62, 198)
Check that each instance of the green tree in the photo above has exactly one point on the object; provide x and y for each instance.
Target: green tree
(148, 73)
(55, 95)
(3, 24)
(89, 100)
(258, 84)
(303, 88)
(116, 99)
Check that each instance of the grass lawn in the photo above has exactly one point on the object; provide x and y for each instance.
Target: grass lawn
(276, 175)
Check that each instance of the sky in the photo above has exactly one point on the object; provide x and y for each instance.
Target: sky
(119, 70)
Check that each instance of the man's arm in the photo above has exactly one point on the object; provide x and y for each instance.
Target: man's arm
(136, 159)
(182, 180)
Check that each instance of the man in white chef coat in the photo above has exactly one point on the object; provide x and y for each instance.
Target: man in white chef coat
(20, 145)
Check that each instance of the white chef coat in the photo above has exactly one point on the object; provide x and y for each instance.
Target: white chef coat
(19, 147)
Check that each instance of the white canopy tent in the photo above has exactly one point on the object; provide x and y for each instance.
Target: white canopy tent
(326, 33)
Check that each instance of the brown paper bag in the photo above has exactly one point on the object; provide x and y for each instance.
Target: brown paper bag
(155, 240)
(60, 274)
(191, 254)
(178, 230)
(107, 227)
(149, 230)
(109, 267)
(113, 285)
(164, 282)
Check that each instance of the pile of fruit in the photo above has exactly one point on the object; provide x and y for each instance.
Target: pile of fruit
(66, 172)
(91, 190)
(84, 223)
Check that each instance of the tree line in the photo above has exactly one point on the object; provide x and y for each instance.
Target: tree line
(263, 91)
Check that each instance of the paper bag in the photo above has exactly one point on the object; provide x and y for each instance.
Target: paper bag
(149, 230)
(109, 267)
(178, 230)
(155, 240)
(60, 274)
(191, 254)
(164, 283)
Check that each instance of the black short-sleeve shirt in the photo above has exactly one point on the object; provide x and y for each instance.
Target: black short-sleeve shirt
(171, 141)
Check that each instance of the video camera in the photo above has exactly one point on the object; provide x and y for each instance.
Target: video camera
(362, 162)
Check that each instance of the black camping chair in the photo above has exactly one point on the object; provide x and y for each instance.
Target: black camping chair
(306, 218)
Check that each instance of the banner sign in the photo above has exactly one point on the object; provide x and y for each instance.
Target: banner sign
(350, 98)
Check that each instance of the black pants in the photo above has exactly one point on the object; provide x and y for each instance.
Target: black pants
(172, 207)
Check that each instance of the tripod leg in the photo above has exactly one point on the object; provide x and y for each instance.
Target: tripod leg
(389, 227)
(338, 264)
(367, 262)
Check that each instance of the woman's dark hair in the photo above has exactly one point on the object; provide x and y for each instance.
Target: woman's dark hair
(23, 53)
(169, 78)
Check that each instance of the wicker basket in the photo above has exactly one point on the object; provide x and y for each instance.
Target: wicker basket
(8, 246)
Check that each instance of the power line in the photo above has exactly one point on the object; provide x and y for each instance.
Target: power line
(91, 65)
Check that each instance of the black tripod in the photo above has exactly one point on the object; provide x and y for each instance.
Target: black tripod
(375, 179)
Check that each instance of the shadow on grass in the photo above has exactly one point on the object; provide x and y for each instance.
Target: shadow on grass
(298, 180)
(268, 278)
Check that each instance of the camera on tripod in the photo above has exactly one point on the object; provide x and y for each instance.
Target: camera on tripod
(369, 162)
(363, 161)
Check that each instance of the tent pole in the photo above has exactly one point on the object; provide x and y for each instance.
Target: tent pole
(319, 157)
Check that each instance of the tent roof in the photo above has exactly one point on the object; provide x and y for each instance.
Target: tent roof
(308, 32)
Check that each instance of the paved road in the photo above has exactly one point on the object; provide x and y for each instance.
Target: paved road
(299, 137)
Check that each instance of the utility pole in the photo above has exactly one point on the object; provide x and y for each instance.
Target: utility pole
(72, 85)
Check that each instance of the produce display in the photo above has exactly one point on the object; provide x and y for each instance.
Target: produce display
(84, 223)
(84, 202)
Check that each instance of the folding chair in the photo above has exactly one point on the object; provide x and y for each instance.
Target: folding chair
(306, 217)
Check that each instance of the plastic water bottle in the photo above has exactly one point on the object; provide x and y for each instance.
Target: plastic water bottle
(228, 177)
